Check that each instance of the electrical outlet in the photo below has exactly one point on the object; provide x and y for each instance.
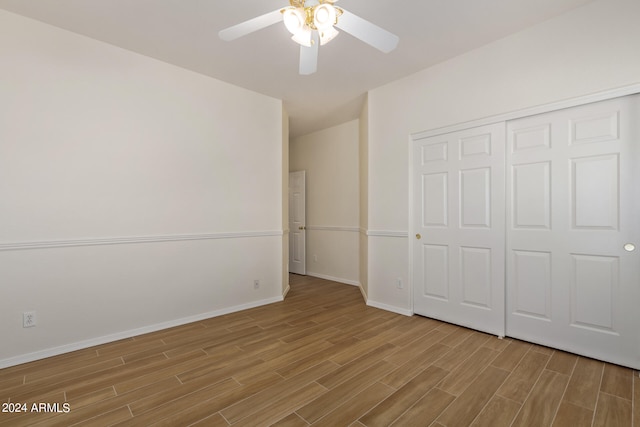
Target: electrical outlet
(315, 258)
(28, 319)
(256, 284)
(399, 284)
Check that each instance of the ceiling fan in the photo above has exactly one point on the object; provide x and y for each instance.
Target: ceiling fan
(313, 23)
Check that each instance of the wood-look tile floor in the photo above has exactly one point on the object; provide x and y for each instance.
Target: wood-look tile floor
(322, 358)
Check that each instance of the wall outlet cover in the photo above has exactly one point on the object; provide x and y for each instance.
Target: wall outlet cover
(28, 319)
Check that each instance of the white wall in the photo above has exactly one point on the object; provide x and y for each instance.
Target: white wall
(363, 157)
(591, 49)
(330, 159)
(102, 149)
(285, 202)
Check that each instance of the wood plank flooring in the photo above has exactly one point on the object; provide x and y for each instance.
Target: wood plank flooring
(321, 358)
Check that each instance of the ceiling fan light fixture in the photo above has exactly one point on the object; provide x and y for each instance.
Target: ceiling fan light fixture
(314, 25)
(324, 16)
(294, 19)
(303, 36)
(327, 35)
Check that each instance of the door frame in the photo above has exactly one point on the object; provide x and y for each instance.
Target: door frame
(414, 139)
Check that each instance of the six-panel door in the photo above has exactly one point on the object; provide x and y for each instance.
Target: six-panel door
(572, 205)
(458, 185)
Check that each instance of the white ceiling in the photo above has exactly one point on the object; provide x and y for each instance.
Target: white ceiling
(185, 33)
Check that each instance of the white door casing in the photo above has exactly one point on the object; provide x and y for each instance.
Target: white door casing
(297, 221)
(458, 226)
(573, 200)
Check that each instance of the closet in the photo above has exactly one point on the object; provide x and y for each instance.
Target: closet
(528, 228)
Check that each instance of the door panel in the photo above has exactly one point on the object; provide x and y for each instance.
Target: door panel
(595, 195)
(475, 198)
(573, 201)
(593, 289)
(532, 196)
(458, 266)
(531, 284)
(475, 276)
(435, 260)
(434, 200)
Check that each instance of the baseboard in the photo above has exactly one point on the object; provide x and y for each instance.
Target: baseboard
(334, 279)
(340, 280)
(286, 291)
(345, 281)
(390, 308)
(55, 351)
(364, 293)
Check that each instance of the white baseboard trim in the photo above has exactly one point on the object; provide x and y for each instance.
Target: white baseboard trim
(334, 279)
(364, 293)
(67, 348)
(390, 308)
(286, 291)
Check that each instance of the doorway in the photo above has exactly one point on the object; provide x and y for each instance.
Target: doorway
(297, 221)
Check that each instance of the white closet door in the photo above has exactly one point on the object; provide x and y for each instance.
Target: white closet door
(573, 203)
(459, 229)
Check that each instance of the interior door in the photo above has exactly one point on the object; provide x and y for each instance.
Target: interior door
(573, 193)
(297, 227)
(459, 227)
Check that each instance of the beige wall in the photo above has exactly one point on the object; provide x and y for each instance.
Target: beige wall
(591, 49)
(134, 194)
(330, 159)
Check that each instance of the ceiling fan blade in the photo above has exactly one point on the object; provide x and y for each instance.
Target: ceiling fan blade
(309, 56)
(369, 33)
(250, 26)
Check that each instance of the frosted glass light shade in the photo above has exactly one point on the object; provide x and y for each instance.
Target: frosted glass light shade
(327, 35)
(294, 19)
(303, 36)
(324, 16)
